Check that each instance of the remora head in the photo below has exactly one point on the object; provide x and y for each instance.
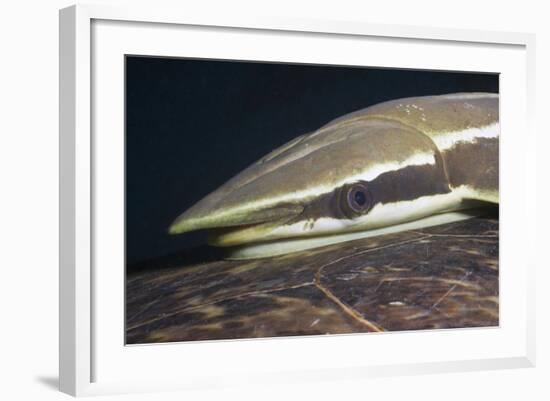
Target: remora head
(350, 175)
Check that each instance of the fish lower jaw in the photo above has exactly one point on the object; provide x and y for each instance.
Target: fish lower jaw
(238, 235)
(290, 245)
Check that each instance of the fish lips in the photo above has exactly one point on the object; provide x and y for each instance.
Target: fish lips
(239, 235)
(229, 228)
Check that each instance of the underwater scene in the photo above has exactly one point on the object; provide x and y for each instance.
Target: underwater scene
(274, 199)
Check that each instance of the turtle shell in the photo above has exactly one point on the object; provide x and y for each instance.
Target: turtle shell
(435, 278)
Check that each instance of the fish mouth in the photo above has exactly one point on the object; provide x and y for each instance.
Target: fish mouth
(243, 234)
(228, 227)
(199, 217)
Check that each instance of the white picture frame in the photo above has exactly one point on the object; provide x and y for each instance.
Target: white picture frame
(92, 358)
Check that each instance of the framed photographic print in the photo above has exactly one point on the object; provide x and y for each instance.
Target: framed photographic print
(246, 190)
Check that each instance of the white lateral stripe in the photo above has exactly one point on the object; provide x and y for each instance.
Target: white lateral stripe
(371, 173)
(450, 139)
(418, 159)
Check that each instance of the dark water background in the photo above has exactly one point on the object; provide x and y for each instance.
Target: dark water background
(193, 124)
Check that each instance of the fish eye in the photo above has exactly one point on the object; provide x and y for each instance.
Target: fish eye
(360, 198)
(355, 199)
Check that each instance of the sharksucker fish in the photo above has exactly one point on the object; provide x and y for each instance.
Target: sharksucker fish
(398, 165)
